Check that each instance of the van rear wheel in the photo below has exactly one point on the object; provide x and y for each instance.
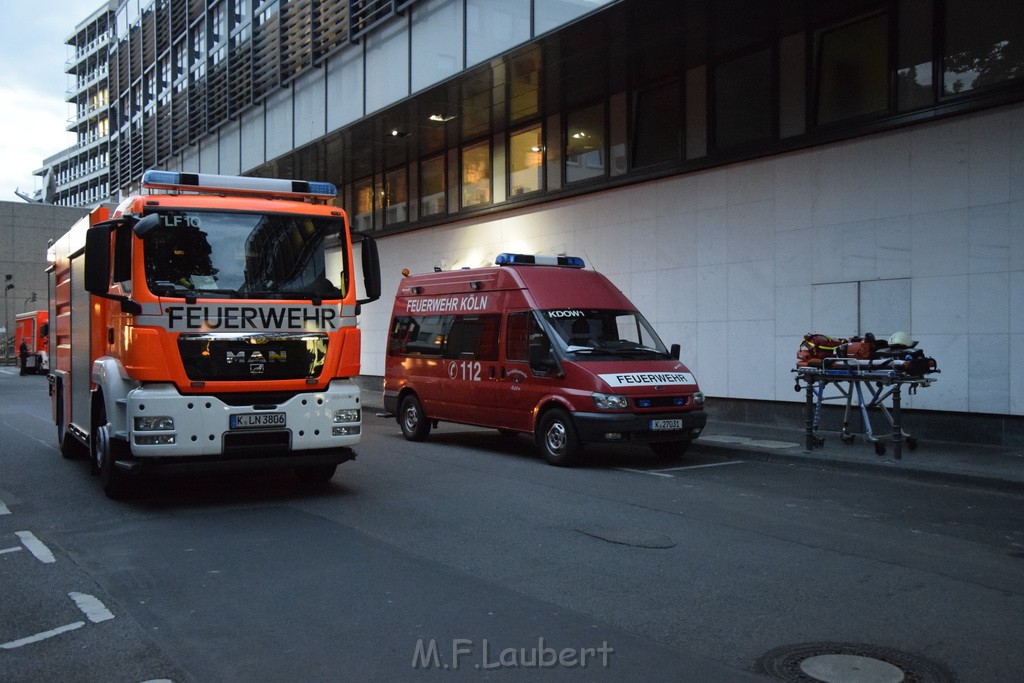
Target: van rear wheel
(415, 425)
(557, 438)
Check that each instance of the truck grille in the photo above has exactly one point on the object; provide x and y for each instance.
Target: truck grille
(212, 357)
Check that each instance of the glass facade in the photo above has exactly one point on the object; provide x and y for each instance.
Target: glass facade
(629, 91)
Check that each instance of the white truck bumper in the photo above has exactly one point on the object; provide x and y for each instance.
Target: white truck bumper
(162, 423)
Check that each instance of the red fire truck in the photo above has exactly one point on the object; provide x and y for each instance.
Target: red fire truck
(209, 323)
(31, 327)
(536, 345)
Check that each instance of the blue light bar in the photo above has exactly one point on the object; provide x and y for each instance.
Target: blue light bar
(209, 182)
(506, 259)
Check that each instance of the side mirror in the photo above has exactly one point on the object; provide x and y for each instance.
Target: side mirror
(44, 330)
(674, 351)
(542, 360)
(370, 261)
(97, 259)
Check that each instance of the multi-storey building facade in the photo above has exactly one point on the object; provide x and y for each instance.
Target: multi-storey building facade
(748, 171)
(79, 175)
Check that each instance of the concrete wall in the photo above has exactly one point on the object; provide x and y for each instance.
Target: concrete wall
(919, 230)
(25, 230)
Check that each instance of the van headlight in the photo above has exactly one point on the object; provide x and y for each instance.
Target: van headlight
(610, 401)
(698, 398)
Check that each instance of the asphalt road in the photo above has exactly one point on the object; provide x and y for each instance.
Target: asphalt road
(467, 556)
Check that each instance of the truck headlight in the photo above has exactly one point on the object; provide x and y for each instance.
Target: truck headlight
(346, 415)
(161, 423)
(610, 401)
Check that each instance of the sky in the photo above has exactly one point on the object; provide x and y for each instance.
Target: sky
(34, 115)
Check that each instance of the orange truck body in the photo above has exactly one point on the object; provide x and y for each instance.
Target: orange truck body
(31, 327)
(207, 343)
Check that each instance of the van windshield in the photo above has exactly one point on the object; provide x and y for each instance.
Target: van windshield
(602, 333)
(244, 255)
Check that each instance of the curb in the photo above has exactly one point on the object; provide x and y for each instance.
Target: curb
(886, 466)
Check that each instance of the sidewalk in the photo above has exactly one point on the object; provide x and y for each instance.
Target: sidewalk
(938, 461)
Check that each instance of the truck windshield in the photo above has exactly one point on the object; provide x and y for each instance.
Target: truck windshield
(244, 255)
(602, 333)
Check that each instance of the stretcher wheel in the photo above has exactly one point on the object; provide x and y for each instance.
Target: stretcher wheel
(879, 448)
(846, 438)
(911, 443)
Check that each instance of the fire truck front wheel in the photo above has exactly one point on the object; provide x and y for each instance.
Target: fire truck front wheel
(415, 424)
(105, 451)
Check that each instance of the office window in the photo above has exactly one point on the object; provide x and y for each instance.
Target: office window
(852, 69)
(914, 56)
(525, 161)
(585, 155)
(362, 217)
(396, 197)
(984, 44)
(657, 125)
(476, 174)
(743, 99)
(432, 186)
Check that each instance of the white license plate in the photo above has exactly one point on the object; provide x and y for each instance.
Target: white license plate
(665, 425)
(257, 420)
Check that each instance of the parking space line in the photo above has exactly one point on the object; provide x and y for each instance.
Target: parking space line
(42, 636)
(653, 473)
(10, 550)
(94, 610)
(665, 472)
(36, 547)
(709, 464)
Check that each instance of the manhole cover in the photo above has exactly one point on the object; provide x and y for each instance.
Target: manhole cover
(849, 663)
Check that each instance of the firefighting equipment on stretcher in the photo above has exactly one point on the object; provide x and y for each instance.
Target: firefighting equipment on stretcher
(871, 370)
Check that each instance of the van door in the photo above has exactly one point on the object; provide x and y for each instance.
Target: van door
(471, 364)
(527, 374)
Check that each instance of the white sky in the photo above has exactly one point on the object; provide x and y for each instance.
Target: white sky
(33, 118)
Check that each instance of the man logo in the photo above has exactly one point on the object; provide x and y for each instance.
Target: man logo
(256, 357)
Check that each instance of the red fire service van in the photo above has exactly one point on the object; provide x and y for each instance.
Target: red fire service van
(32, 328)
(536, 345)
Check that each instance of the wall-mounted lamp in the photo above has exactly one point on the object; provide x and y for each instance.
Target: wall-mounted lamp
(441, 118)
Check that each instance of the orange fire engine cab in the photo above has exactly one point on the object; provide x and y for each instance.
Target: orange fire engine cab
(209, 323)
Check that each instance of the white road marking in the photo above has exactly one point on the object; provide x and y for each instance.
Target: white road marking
(92, 608)
(42, 636)
(10, 550)
(710, 464)
(36, 547)
(653, 473)
(3, 509)
(48, 444)
(664, 472)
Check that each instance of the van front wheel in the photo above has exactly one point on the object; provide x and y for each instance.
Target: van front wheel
(415, 425)
(557, 438)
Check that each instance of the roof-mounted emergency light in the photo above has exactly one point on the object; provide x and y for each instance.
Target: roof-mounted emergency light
(506, 259)
(229, 184)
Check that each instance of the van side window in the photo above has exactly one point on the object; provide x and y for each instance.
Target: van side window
(524, 330)
(421, 335)
(473, 336)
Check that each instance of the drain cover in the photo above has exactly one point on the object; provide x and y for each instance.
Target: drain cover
(849, 663)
